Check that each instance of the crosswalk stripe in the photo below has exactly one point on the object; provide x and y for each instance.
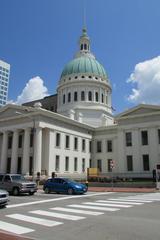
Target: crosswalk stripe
(119, 202)
(77, 211)
(107, 204)
(94, 207)
(57, 215)
(9, 227)
(35, 220)
(131, 200)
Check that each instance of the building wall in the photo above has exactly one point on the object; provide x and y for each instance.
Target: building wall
(4, 82)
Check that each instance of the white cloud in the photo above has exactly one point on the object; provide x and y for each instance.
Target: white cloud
(33, 90)
(146, 78)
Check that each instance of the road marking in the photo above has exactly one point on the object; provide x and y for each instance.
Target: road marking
(77, 211)
(57, 215)
(134, 200)
(56, 199)
(107, 204)
(9, 227)
(35, 220)
(119, 202)
(94, 207)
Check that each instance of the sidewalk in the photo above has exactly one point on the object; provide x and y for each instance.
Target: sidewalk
(120, 189)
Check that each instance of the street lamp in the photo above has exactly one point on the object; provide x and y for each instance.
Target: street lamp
(33, 132)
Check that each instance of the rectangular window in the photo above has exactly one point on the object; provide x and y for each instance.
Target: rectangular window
(146, 162)
(57, 163)
(20, 141)
(159, 136)
(83, 164)
(109, 165)
(9, 142)
(144, 137)
(8, 165)
(31, 140)
(109, 146)
(58, 137)
(99, 146)
(67, 164)
(129, 163)
(128, 139)
(67, 141)
(31, 166)
(90, 163)
(75, 143)
(83, 145)
(99, 165)
(75, 164)
(75, 96)
(90, 146)
(19, 165)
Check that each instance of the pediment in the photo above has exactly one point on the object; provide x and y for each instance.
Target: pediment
(11, 110)
(140, 110)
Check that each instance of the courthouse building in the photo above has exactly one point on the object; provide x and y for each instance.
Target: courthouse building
(74, 129)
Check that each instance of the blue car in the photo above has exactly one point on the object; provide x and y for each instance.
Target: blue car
(64, 185)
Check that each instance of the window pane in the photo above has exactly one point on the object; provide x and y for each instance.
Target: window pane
(109, 146)
(109, 165)
(57, 139)
(75, 164)
(75, 96)
(146, 162)
(83, 145)
(57, 163)
(144, 136)
(67, 141)
(99, 165)
(83, 164)
(128, 139)
(66, 163)
(159, 136)
(99, 146)
(129, 163)
(75, 143)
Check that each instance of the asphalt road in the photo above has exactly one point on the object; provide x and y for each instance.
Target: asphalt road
(102, 216)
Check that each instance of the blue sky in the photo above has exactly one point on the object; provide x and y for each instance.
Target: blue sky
(38, 37)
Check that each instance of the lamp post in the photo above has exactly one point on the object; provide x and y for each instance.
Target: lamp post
(33, 140)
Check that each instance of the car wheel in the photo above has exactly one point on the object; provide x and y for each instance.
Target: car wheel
(47, 190)
(31, 193)
(70, 191)
(15, 191)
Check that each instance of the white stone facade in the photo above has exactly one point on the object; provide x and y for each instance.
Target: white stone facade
(68, 147)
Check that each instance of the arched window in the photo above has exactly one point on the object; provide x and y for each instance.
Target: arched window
(82, 96)
(96, 96)
(102, 98)
(64, 98)
(81, 46)
(69, 97)
(85, 46)
(75, 96)
(89, 96)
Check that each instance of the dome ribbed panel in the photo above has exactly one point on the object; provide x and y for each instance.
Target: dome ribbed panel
(84, 65)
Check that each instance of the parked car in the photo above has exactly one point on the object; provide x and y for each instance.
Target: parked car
(64, 185)
(16, 184)
(3, 198)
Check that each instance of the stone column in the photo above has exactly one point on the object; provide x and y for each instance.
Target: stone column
(37, 150)
(3, 162)
(26, 150)
(14, 155)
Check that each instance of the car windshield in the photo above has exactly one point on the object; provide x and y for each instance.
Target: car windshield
(18, 178)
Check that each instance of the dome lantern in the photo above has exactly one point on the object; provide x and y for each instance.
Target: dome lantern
(84, 42)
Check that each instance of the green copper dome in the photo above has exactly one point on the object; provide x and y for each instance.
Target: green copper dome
(83, 65)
